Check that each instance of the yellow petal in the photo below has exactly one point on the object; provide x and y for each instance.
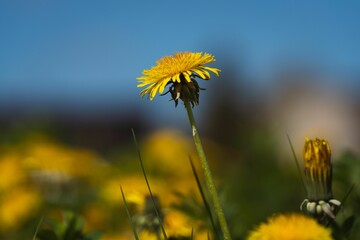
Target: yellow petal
(163, 84)
(214, 70)
(176, 78)
(200, 73)
(187, 77)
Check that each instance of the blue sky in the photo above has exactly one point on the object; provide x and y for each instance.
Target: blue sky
(88, 53)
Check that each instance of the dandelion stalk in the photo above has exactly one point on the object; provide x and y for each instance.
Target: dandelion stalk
(206, 204)
(208, 176)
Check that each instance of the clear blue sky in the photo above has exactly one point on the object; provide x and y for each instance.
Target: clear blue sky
(86, 53)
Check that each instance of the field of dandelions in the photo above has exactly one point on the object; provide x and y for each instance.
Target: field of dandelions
(232, 182)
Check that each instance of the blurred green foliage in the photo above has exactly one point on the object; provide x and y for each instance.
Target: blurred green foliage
(69, 228)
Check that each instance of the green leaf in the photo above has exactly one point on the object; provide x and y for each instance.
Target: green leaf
(95, 235)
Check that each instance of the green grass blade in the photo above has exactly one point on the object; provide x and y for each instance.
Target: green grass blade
(348, 193)
(192, 234)
(206, 204)
(345, 197)
(148, 185)
(129, 215)
(297, 164)
(38, 227)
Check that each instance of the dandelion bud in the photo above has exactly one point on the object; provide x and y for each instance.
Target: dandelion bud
(318, 178)
(318, 169)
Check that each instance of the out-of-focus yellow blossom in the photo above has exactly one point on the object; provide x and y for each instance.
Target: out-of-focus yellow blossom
(167, 151)
(177, 224)
(129, 235)
(52, 159)
(135, 190)
(11, 171)
(96, 217)
(290, 227)
(124, 236)
(167, 156)
(17, 206)
(149, 236)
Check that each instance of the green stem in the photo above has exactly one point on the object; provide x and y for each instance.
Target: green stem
(208, 177)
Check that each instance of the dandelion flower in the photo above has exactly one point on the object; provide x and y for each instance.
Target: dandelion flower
(290, 227)
(179, 70)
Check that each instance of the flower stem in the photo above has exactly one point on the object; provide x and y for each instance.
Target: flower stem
(208, 177)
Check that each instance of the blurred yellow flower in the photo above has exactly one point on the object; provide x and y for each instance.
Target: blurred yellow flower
(167, 151)
(180, 70)
(17, 206)
(135, 190)
(177, 224)
(290, 227)
(149, 236)
(167, 154)
(96, 216)
(52, 159)
(11, 171)
(124, 236)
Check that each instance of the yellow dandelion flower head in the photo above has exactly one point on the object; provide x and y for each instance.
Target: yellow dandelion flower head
(179, 69)
(290, 227)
